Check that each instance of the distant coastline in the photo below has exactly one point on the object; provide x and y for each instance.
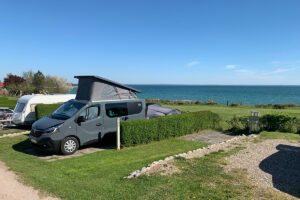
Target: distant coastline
(245, 94)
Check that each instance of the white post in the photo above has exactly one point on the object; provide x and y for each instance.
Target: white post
(118, 133)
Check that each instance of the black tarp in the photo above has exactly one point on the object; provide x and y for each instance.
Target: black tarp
(156, 110)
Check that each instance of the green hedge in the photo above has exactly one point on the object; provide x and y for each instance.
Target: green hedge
(269, 122)
(42, 110)
(279, 122)
(146, 130)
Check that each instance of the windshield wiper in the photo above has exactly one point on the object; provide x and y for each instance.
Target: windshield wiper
(57, 116)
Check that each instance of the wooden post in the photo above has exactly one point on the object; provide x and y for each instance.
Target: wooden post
(118, 133)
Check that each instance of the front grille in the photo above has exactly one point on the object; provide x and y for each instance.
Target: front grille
(36, 133)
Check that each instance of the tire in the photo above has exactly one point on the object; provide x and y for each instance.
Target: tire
(69, 145)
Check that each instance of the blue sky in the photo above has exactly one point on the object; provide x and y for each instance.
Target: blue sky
(155, 41)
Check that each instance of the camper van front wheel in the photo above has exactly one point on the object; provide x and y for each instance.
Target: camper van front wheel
(69, 145)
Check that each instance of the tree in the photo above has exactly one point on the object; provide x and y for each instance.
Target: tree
(38, 79)
(13, 79)
(55, 84)
(28, 76)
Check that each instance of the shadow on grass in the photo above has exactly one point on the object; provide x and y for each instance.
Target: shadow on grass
(284, 166)
(26, 148)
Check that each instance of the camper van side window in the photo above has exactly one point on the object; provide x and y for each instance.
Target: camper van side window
(91, 112)
(134, 107)
(116, 109)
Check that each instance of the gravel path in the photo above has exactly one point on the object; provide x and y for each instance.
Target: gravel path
(270, 164)
(12, 189)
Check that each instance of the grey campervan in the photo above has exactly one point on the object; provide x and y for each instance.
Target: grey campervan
(89, 117)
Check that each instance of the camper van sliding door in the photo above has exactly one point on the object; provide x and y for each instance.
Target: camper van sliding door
(90, 130)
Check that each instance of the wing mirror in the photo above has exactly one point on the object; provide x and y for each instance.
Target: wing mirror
(80, 119)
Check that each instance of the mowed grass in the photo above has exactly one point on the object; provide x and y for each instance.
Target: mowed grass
(94, 176)
(278, 135)
(227, 112)
(8, 101)
(100, 175)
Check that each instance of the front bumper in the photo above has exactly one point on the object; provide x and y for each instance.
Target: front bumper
(45, 143)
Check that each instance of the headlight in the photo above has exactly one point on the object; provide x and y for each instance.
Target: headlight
(53, 129)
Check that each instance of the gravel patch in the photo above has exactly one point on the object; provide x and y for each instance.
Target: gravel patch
(270, 164)
(208, 136)
(80, 152)
(167, 167)
(14, 134)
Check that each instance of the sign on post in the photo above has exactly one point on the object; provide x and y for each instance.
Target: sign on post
(118, 133)
(254, 122)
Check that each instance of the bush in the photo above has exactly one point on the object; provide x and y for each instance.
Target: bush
(210, 102)
(239, 124)
(279, 122)
(42, 110)
(275, 106)
(279, 106)
(236, 104)
(146, 130)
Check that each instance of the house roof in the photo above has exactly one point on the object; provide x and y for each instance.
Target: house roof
(1, 84)
(110, 82)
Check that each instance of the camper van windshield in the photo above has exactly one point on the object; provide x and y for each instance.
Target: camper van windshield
(67, 110)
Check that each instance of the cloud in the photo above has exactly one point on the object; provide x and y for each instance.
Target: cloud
(193, 63)
(231, 66)
(275, 62)
(282, 70)
(244, 71)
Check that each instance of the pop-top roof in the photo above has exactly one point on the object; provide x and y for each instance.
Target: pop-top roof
(110, 82)
(95, 88)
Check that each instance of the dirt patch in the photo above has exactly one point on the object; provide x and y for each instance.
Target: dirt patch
(80, 152)
(11, 134)
(12, 189)
(208, 136)
(270, 164)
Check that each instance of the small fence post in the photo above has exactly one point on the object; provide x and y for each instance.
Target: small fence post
(118, 133)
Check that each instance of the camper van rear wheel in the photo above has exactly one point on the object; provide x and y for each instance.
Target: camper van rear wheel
(69, 145)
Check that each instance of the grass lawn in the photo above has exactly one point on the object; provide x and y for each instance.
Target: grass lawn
(100, 175)
(227, 112)
(278, 135)
(8, 101)
(94, 176)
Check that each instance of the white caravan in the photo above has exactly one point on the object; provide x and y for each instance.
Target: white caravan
(24, 112)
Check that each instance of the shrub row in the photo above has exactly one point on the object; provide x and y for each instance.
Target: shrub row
(146, 130)
(275, 106)
(181, 102)
(269, 122)
(42, 110)
(279, 122)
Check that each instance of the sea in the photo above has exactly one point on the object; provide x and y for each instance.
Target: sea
(247, 95)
